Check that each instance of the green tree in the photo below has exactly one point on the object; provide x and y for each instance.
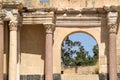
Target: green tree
(80, 57)
(67, 51)
(96, 55)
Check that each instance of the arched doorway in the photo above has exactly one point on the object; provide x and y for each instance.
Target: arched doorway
(80, 55)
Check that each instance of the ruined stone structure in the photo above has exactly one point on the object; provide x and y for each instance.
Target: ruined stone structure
(31, 34)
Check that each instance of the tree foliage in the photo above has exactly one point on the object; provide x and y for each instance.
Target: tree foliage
(77, 57)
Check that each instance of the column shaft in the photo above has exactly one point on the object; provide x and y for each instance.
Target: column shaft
(48, 58)
(13, 54)
(1, 50)
(18, 53)
(112, 57)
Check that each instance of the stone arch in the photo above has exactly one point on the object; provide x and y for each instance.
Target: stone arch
(94, 32)
(77, 68)
(85, 32)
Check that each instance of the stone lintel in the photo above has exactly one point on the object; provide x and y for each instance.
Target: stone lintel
(39, 17)
(76, 24)
(38, 14)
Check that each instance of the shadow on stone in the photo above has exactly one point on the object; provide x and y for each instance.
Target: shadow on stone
(103, 77)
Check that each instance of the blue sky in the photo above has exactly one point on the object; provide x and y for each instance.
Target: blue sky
(44, 0)
(86, 40)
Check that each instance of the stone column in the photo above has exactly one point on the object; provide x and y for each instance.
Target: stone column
(13, 50)
(48, 51)
(18, 50)
(112, 23)
(1, 49)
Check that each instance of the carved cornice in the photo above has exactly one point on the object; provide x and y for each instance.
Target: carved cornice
(49, 27)
(112, 21)
(111, 8)
(13, 5)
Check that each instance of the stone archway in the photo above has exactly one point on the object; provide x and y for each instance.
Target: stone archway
(95, 34)
(65, 25)
(85, 42)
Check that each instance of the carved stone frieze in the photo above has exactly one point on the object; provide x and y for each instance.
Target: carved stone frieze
(49, 27)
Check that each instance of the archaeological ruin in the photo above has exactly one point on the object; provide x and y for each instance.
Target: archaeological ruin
(32, 31)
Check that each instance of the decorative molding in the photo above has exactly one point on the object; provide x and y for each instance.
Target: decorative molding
(112, 21)
(49, 27)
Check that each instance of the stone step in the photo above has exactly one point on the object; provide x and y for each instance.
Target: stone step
(79, 77)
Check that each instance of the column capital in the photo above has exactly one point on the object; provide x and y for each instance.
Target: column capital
(11, 16)
(112, 21)
(49, 27)
(13, 25)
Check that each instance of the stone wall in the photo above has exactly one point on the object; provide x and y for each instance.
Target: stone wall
(35, 77)
(79, 70)
(96, 32)
(32, 49)
(76, 4)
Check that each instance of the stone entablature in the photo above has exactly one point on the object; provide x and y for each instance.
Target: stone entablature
(56, 15)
